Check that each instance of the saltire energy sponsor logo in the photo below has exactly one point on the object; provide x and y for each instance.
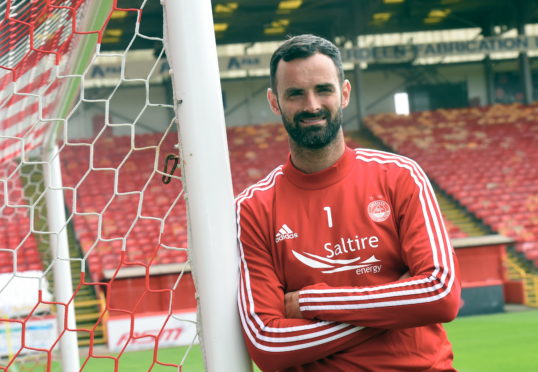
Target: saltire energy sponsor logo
(329, 266)
(345, 245)
(285, 233)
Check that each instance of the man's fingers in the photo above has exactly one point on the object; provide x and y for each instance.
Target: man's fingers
(405, 275)
(291, 305)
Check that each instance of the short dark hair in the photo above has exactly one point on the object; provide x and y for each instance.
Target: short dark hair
(304, 46)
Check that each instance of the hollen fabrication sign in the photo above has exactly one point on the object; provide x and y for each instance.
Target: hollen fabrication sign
(180, 329)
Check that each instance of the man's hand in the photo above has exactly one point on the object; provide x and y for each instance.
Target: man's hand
(291, 305)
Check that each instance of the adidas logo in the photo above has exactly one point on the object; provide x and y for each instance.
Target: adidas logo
(285, 233)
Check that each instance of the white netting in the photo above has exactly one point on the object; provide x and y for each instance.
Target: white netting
(111, 116)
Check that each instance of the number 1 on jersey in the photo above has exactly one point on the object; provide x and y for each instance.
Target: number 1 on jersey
(329, 216)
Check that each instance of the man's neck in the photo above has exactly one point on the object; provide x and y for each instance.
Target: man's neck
(315, 160)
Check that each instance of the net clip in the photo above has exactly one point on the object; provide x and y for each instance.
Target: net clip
(167, 177)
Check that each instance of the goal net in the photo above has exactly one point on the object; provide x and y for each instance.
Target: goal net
(114, 182)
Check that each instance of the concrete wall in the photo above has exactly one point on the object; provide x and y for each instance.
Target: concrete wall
(127, 105)
(246, 103)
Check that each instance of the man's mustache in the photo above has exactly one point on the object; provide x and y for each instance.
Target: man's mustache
(309, 115)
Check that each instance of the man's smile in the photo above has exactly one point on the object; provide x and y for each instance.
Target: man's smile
(307, 119)
(318, 120)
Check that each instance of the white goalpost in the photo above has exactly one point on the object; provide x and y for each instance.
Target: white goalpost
(84, 205)
(192, 55)
(65, 315)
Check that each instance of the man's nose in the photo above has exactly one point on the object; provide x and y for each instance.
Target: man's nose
(312, 103)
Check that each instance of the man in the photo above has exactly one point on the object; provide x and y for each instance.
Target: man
(345, 262)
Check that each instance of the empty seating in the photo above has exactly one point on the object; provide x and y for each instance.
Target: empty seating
(119, 201)
(133, 204)
(254, 151)
(487, 158)
(123, 191)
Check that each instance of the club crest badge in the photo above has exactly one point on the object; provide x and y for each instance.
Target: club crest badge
(379, 210)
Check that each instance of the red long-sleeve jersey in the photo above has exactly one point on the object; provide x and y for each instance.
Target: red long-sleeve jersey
(344, 237)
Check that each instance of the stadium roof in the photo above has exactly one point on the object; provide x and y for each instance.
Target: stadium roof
(247, 21)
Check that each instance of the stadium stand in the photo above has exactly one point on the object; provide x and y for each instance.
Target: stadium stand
(254, 151)
(486, 158)
(451, 145)
(459, 223)
(130, 218)
(468, 152)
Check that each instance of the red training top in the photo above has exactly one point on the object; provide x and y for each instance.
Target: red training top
(343, 237)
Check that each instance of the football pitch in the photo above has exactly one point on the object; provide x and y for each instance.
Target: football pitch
(506, 342)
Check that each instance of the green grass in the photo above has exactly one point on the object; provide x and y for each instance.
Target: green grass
(495, 343)
(141, 361)
(505, 342)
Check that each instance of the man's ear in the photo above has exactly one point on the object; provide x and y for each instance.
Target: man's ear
(273, 101)
(346, 93)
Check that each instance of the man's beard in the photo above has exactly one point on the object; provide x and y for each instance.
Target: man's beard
(315, 136)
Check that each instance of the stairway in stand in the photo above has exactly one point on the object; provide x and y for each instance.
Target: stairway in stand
(87, 304)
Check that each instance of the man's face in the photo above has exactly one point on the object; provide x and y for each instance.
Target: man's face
(310, 100)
